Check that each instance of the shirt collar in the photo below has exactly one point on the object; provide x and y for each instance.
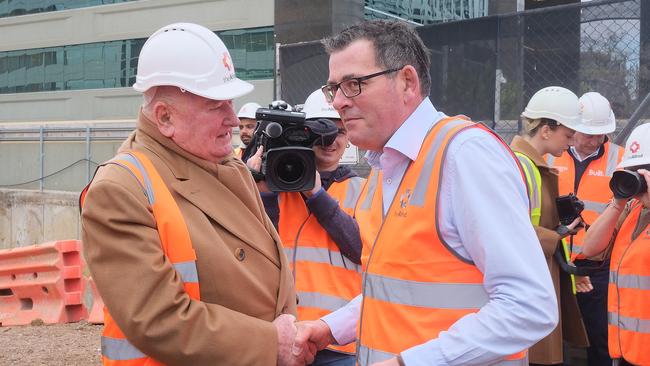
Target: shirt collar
(408, 138)
(578, 157)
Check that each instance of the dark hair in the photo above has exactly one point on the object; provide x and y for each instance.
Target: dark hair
(551, 123)
(396, 45)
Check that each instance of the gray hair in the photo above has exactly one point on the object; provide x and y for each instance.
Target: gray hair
(396, 45)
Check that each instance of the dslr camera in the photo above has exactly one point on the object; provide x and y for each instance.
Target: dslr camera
(288, 162)
(627, 183)
(569, 207)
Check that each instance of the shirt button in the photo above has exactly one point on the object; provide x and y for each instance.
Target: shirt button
(240, 254)
(389, 181)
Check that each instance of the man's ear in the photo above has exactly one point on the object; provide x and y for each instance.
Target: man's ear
(410, 83)
(163, 118)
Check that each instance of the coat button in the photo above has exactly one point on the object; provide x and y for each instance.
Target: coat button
(240, 254)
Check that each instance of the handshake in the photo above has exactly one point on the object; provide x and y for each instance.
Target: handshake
(298, 342)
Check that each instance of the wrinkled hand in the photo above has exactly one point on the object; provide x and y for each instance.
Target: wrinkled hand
(575, 226)
(313, 335)
(288, 353)
(583, 284)
(391, 362)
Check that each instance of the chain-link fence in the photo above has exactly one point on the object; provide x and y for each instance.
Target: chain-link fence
(488, 68)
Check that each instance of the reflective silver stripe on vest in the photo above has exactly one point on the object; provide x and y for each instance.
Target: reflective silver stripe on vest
(322, 255)
(422, 184)
(576, 248)
(321, 301)
(629, 323)
(425, 294)
(373, 181)
(612, 159)
(143, 172)
(529, 171)
(550, 159)
(119, 349)
(353, 192)
(598, 207)
(630, 281)
(368, 356)
(187, 271)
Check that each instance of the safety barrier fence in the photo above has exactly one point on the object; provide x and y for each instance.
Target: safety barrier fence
(46, 283)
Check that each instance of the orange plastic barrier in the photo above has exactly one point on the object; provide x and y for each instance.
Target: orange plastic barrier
(41, 282)
(93, 302)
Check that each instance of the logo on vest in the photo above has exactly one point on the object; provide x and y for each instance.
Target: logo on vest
(596, 173)
(561, 169)
(403, 202)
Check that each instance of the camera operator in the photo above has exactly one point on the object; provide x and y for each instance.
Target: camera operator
(320, 237)
(247, 125)
(550, 120)
(585, 170)
(624, 230)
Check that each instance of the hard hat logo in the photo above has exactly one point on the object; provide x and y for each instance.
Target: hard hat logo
(226, 61)
(634, 147)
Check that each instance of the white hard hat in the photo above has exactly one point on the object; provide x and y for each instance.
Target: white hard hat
(637, 147)
(556, 103)
(317, 107)
(192, 58)
(597, 114)
(248, 110)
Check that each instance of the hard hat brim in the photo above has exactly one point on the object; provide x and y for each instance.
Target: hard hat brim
(600, 130)
(232, 89)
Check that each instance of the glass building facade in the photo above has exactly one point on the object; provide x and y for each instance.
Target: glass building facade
(426, 11)
(10, 8)
(114, 64)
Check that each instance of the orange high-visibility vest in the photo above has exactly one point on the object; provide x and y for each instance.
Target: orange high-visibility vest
(238, 152)
(628, 302)
(413, 286)
(593, 189)
(175, 242)
(325, 279)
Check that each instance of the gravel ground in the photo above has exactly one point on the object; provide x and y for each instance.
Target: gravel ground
(74, 344)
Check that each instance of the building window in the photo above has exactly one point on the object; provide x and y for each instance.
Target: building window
(114, 64)
(11, 8)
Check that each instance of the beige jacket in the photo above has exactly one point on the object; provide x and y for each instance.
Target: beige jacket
(244, 276)
(548, 351)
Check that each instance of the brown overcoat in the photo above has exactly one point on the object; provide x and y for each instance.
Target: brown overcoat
(548, 351)
(244, 276)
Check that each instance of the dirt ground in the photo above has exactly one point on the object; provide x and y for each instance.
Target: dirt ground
(74, 344)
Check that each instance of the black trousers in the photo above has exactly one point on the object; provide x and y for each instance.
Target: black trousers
(593, 306)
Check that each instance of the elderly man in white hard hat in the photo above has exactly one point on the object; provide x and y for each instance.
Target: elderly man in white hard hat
(585, 170)
(622, 230)
(319, 234)
(188, 264)
(247, 123)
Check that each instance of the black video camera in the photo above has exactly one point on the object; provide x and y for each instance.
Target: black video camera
(569, 207)
(628, 183)
(289, 163)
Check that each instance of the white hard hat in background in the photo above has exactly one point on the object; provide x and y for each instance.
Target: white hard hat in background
(317, 107)
(191, 57)
(637, 147)
(248, 110)
(556, 103)
(597, 115)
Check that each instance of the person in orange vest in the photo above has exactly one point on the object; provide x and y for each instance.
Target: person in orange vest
(189, 266)
(452, 270)
(623, 231)
(247, 124)
(320, 237)
(585, 170)
(550, 120)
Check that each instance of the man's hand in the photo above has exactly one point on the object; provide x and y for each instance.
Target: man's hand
(391, 362)
(255, 163)
(312, 334)
(583, 284)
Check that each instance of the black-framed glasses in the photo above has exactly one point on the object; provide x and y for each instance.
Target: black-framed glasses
(351, 87)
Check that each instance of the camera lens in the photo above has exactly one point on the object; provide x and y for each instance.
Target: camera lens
(290, 169)
(625, 184)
